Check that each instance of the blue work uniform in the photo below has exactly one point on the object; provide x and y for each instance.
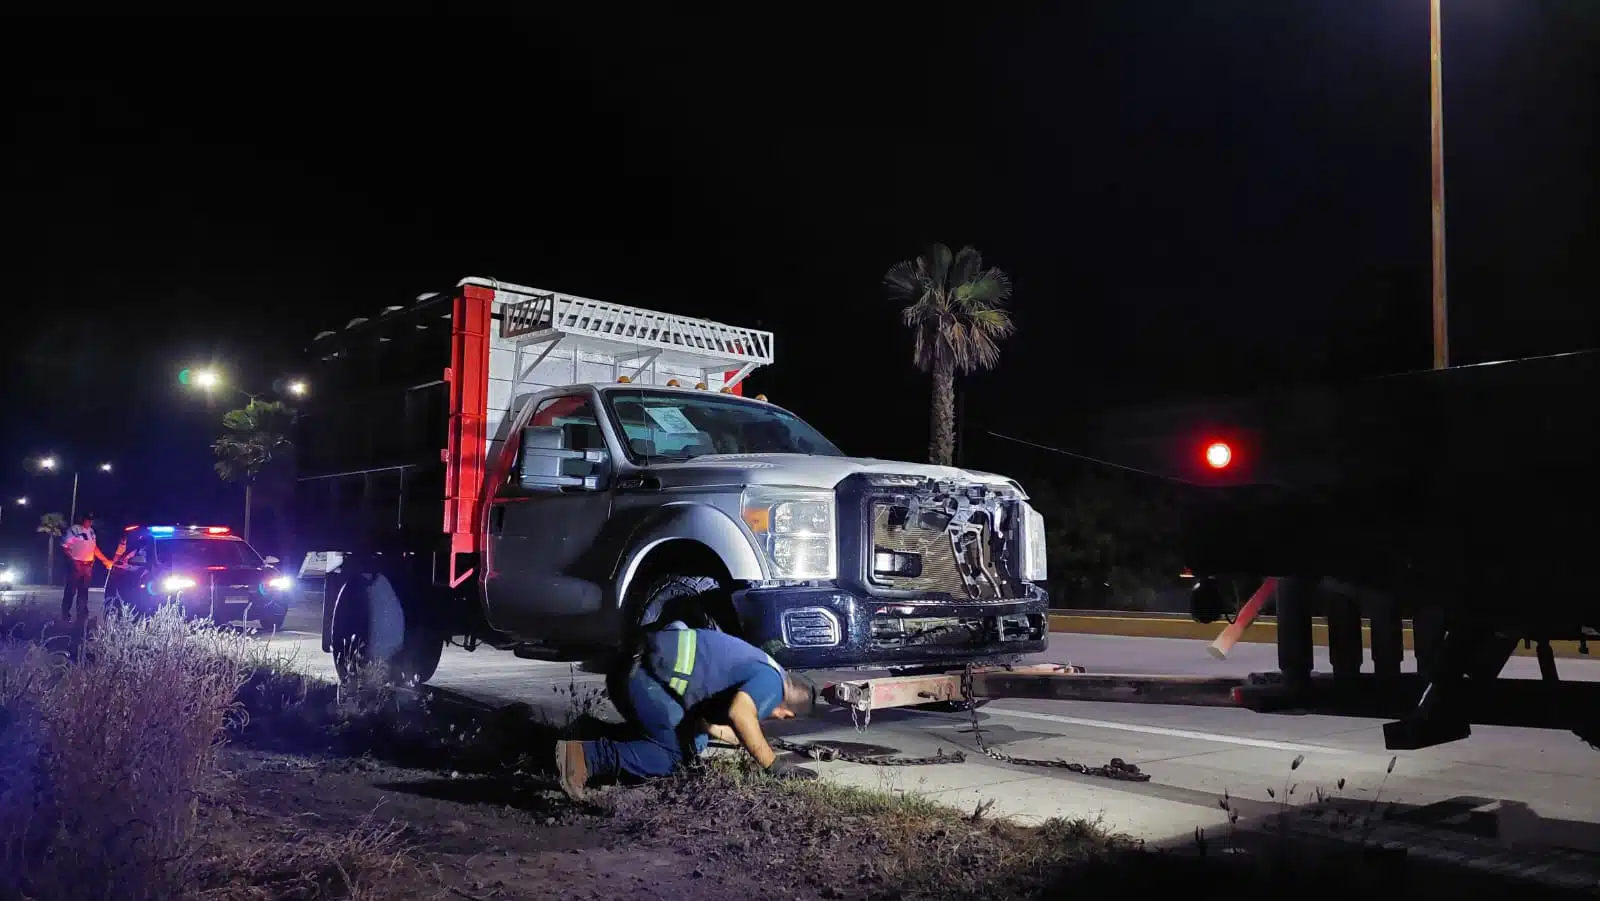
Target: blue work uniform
(683, 674)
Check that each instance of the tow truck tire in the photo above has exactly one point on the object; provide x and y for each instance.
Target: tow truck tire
(696, 601)
(362, 617)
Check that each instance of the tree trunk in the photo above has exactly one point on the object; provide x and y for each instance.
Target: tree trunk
(941, 445)
(49, 559)
(248, 487)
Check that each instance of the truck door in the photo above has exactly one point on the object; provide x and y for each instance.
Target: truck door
(542, 584)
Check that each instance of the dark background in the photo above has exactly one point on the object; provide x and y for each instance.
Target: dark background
(1191, 198)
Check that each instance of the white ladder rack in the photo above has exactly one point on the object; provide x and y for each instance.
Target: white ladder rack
(613, 329)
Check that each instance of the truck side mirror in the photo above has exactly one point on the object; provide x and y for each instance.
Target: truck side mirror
(270, 560)
(545, 462)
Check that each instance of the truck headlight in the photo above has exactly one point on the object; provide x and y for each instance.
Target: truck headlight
(795, 530)
(1034, 568)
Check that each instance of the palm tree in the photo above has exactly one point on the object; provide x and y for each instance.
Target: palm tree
(956, 309)
(52, 526)
(254, 433)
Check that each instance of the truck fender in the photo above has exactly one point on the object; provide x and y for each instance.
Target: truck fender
(699, 523)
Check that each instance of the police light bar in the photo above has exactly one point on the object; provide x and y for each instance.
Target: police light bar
(217, 530)
(161, 530)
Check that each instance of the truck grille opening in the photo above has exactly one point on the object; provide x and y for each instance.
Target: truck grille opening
(916, 555)
(951, 541)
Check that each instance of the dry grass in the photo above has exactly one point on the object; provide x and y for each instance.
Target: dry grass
(308, 865)
(899, 843)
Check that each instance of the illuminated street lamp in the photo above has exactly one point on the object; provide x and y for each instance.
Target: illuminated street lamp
(50, 464)
(19, 502)
(209, 380)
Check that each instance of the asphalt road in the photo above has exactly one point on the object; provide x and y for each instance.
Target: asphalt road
(1519, 787)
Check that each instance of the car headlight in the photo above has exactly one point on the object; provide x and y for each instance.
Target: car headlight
(280, 583)
(1034, 552)
(795, 529)
(8, 577)
(174, 584)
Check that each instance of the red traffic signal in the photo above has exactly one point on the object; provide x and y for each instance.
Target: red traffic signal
(1218, 455)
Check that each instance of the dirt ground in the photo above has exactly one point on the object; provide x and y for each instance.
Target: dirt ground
(287, 826)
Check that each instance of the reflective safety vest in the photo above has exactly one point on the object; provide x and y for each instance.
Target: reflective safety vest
(696, 664)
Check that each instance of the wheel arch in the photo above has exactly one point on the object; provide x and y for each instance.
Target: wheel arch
(687, 534)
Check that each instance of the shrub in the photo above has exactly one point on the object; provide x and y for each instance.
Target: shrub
(106, 758)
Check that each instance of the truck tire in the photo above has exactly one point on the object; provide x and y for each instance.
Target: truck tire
(699, 602)
(369, 625)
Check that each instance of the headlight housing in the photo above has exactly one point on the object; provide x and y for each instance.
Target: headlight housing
(794, 528)
(1034, 551)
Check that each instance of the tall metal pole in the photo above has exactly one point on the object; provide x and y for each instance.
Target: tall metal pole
(74, 515)
(1441, 322)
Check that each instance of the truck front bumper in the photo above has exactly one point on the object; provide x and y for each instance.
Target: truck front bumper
(833, 628)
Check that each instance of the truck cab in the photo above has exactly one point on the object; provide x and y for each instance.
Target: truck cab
(618, 506)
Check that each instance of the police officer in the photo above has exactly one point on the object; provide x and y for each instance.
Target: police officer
(81, 549)
(685, 686)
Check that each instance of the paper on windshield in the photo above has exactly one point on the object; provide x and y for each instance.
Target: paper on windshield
(671, 420)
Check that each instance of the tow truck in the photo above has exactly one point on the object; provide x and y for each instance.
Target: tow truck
(1463, 499)
(549, 474)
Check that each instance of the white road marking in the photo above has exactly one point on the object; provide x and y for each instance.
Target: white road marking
(1264, 743)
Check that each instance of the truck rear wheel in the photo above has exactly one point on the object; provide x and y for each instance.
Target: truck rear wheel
(370, 628)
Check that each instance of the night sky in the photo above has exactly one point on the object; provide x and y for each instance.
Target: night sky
(1191, 198)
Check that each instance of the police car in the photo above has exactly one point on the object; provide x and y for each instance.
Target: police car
(213, 573)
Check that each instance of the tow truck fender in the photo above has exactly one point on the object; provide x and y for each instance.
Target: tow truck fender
(686, 521)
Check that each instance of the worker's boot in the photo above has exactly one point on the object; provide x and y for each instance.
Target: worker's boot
(571, 769)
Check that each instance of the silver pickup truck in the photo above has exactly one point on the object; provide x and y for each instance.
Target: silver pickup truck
(627, 484)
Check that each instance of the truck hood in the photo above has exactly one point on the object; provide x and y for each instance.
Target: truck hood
(804, 471)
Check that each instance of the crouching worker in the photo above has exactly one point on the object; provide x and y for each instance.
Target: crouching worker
(685, 686)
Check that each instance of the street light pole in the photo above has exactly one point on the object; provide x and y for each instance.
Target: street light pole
(1441, 324)
(74, 515)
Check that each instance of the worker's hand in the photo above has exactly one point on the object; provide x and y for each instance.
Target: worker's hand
(783, 769)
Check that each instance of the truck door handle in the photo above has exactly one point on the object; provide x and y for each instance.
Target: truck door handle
(497, 518)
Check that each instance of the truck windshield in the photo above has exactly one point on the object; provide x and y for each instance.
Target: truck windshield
(674, 425)
(205, 552)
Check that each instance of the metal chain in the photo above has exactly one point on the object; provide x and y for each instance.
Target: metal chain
(1117, 768)
(824, 753)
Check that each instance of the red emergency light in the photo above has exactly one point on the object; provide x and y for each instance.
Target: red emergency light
(1218, 455)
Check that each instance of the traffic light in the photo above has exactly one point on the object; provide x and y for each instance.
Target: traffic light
(1219, 455)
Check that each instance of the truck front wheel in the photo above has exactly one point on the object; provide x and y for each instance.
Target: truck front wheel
(370, 629)
(699, 602)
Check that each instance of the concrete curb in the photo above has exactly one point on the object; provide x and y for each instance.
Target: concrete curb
(1262, 631)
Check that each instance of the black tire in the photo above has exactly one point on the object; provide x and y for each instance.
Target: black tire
(699, 602)
(273, 622)
(351, 631)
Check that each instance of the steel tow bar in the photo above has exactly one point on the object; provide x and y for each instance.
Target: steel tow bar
(1053, 681)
